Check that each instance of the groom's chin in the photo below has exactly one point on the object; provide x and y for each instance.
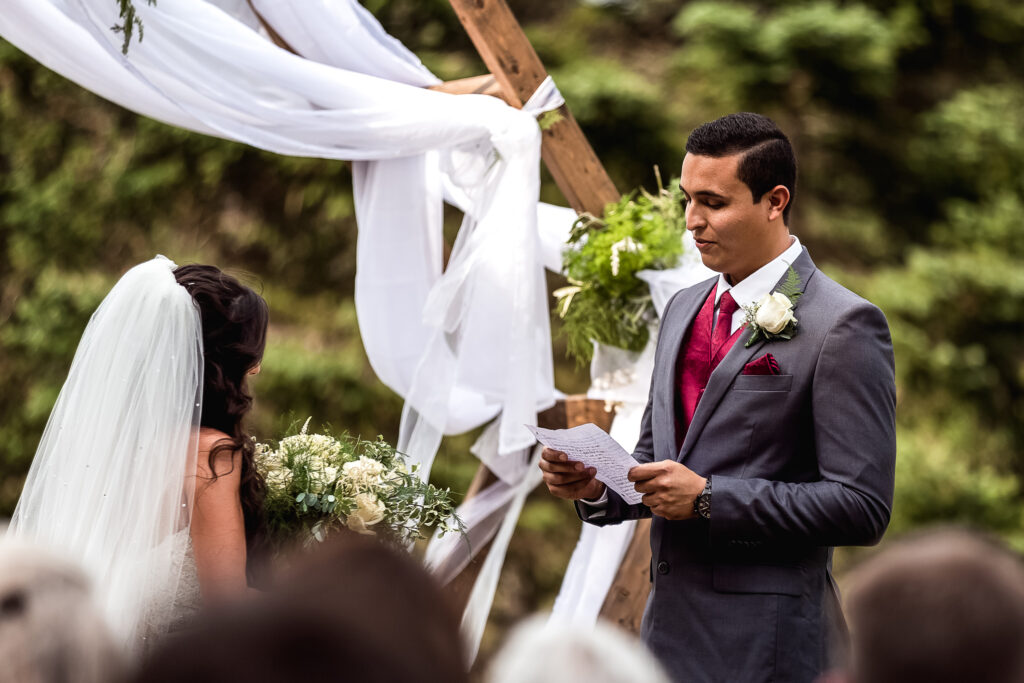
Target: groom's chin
(711, 262)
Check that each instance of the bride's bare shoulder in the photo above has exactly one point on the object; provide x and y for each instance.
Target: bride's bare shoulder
(225, 462)
(209, 437)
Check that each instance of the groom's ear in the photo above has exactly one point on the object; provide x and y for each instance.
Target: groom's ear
(778, 200)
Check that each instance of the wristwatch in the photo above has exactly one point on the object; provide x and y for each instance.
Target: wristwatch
(702, 503)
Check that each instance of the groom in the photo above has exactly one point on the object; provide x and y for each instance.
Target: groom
(764, 443)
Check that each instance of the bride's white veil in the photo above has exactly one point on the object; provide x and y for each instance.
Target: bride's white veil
(112, 482)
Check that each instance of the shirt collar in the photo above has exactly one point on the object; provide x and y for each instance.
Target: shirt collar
(761, 281)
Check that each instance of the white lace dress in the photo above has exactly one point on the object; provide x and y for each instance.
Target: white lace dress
(175, 608)
(188, 600)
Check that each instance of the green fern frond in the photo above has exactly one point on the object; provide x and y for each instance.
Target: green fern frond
(792, 288)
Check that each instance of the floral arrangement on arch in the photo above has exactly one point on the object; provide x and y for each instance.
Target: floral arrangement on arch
(317, 483)
(605, 301)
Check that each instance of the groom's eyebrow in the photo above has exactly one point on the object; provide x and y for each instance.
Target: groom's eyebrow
(703, 194)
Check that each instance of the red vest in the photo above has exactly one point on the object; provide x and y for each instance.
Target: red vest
(699, 355)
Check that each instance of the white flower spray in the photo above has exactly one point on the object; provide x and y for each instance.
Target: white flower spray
(626, 244)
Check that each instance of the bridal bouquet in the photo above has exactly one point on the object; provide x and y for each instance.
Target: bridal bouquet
(605, 301)
(317, 483)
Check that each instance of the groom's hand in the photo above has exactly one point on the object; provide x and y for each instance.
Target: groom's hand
(567, 478)
(669, 488)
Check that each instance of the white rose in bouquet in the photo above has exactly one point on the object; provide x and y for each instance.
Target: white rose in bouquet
(324, 476)
(369, 511)
(362, 473)
(277, 478)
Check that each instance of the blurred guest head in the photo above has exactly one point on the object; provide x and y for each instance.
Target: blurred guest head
(945, 606)
(540, 652)
(355, 609)
(50, 630)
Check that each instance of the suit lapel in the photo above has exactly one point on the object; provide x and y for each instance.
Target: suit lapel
(731, 366)
(670, 347)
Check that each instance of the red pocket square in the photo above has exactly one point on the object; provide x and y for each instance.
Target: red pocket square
(765, 365)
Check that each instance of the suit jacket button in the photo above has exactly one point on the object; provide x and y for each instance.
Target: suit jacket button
(663, 567)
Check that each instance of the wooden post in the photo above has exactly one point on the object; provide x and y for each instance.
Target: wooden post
(627, 597)
(476, 85)
(509, 56)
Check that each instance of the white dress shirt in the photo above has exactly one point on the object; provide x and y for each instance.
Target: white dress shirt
(748, 291)
(757, 284)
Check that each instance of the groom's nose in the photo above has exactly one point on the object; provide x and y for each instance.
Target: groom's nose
(694, 217)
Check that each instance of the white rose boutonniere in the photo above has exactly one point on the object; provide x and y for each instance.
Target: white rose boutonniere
(771, 318)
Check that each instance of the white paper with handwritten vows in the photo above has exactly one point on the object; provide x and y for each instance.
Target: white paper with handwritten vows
(592, 446)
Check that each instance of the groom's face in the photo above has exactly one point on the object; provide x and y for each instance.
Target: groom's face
(732, 231)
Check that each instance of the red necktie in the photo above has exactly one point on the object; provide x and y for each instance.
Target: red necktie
(723, 328)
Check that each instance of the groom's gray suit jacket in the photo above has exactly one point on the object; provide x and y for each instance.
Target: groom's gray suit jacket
(799, 462)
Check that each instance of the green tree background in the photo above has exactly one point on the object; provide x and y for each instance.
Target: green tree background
(907, 116)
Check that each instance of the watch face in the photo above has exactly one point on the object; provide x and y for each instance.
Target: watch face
(704, 506)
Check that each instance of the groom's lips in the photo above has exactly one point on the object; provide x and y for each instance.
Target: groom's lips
(703, 244)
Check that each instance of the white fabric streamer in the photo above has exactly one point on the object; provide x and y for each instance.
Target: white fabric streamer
(483, 514)
(474, 619)
(112, 482)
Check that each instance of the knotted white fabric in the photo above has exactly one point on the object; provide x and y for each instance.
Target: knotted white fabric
(545, 98)
(112, 482)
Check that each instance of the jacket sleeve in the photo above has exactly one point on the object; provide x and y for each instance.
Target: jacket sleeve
(616, 510)
(854, 403)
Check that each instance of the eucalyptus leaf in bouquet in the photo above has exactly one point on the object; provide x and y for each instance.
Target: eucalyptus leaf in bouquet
(317, 483)
(605, 301)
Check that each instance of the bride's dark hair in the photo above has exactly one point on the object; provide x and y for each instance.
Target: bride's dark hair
(234, 323)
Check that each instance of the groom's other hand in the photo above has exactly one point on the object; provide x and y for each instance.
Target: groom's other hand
(669, 488)
(567, 478)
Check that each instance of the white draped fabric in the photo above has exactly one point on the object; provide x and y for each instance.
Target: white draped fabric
(463, 346)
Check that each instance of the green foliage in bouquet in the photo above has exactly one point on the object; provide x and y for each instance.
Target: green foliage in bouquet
(605, 301)
(317, 483)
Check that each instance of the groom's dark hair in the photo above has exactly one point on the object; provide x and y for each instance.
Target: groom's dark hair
(768, 158)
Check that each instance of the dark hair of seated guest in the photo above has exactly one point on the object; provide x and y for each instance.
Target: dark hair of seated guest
(944, 607)
(353, 610)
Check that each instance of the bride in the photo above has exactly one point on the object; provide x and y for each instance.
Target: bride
(144, 475)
